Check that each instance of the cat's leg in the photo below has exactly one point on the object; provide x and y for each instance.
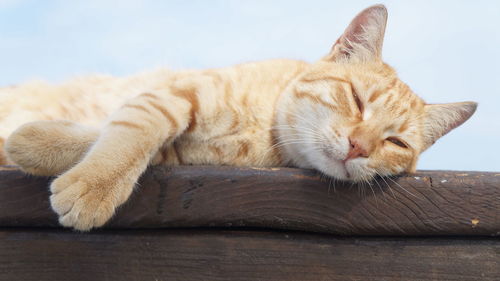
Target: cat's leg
(87, 195)
(48, 148)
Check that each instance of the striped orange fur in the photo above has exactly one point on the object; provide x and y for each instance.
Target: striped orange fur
(346, 115)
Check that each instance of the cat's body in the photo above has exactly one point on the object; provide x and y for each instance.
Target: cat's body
(238, 100)
(347, 115)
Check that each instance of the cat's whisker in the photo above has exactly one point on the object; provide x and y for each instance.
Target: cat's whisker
(360, 186)
(388, 185)
(301, 139)
(378, 184)
(402, 187)
(296, 141)
(304, 136)
(297, 129)
(352, 184)
(332, 181)
(366, 180)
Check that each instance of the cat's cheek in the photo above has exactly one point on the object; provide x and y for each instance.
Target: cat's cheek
(341, 148)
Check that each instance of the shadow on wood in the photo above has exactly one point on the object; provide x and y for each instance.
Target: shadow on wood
(427, 203)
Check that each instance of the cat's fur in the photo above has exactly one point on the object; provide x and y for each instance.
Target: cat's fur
(347, 115)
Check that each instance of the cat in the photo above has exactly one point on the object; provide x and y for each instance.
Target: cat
(346, 115)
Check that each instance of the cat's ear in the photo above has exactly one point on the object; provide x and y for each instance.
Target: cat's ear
(442, 118)
(363, 38)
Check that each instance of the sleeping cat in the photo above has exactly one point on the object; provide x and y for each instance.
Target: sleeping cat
(346, 115)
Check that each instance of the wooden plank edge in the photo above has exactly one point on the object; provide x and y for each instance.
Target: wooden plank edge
(427, 203)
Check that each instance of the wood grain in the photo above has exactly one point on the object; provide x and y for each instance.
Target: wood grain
(427, 203)
(239, 255)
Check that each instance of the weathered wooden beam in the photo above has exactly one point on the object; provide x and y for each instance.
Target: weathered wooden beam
(427, 203)
(239, 255)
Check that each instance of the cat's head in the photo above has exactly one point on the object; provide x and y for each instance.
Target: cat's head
(350, 117)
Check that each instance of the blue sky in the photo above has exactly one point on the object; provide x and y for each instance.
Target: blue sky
(445, 50)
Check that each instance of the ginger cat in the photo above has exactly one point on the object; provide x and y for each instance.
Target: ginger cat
(346, 115)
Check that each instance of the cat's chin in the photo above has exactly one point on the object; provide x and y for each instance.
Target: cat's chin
(352, 171)
(339, 174)
(331, 167)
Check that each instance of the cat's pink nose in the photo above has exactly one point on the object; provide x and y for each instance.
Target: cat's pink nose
(355, 150)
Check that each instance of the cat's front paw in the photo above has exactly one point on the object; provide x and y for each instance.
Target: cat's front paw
(82, 201)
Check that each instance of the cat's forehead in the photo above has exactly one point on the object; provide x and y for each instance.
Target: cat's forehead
(387, 94)
(376, 84)
(391, 102)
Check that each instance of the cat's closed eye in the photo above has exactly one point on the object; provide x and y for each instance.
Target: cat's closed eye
(397, 142)
(359, 104)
